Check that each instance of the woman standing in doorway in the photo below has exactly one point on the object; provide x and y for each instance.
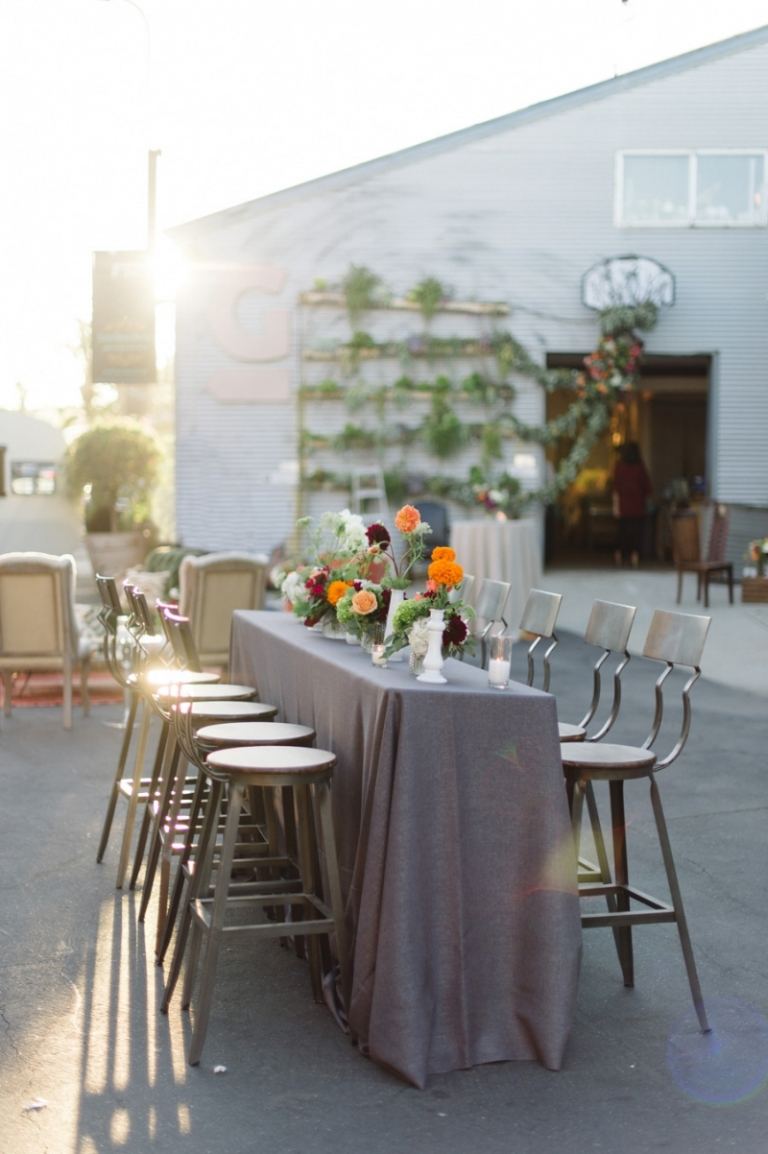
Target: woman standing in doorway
(631, 490)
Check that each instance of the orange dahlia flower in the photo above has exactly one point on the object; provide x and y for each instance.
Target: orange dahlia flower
(336, 591)
(443, 553)
(447, 573)
(407, 519)
(364, 602)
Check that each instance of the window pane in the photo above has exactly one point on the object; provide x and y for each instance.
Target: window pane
(655, 189)
(729, 189)
(33, 479)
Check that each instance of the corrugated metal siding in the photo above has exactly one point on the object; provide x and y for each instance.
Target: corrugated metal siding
(519, 217)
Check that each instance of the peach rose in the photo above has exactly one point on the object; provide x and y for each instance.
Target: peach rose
(407, 519)
(364, 602)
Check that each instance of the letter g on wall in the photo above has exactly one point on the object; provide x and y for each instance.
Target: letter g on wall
(261, 379)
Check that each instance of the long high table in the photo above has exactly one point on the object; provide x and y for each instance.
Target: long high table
(455, 849)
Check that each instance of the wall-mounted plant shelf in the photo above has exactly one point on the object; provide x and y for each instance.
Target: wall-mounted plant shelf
(402, 304)
(424, 348)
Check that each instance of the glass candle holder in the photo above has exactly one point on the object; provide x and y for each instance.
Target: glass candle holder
(499, 661)
(377, 654)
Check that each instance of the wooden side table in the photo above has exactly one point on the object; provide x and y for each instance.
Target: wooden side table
(754, 589)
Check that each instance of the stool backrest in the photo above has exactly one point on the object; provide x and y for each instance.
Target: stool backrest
(609, 627)
(676, 639)
(179, 632)
(539, 617)
(491, 599)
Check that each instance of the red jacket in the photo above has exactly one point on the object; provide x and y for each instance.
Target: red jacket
(633, 486)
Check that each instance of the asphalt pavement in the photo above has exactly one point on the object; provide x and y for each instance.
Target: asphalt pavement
(89, 1066)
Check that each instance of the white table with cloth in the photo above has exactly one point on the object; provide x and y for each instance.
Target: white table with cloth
(503, 551)
(455, 849)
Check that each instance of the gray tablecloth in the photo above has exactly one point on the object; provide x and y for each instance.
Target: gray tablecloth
(455, 849)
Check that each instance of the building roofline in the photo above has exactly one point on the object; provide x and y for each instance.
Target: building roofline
(416, 152)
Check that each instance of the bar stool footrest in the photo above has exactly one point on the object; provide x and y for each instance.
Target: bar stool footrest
(656, 911)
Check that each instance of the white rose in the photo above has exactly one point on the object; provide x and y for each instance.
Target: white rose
(291, 586)
(418, 638)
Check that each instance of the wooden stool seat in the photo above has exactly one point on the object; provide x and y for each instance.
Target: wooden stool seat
(568, 732)
(603, 760)
(154, 679)
(222, 691)
(269, 763)
(246, 733)
(211, 712)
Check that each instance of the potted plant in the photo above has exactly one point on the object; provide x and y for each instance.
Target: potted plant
(113, 467)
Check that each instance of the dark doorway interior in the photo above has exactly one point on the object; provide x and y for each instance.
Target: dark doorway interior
(667, 415)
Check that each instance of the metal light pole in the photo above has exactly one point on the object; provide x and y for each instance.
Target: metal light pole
(152, 153)
(133, 401)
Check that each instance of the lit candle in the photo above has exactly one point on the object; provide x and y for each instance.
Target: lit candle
(498, 672)
(377, 654)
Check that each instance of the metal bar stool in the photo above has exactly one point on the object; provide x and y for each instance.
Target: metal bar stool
(166, 805)
(676, 639)
(172, 787)
(608, 628)
(140, 671)
(232, 772)
(281, 851)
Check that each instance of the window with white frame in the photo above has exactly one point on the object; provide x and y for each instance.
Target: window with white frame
(681, 189)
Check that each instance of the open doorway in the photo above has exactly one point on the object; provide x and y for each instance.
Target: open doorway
(668, 417)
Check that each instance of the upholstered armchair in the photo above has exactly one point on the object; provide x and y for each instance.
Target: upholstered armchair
(38, 626)
(211, 587)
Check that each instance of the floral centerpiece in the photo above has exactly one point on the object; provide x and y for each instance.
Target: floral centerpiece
(409, 627)
(339, 551)
(413, 530)
(500, 496)
(362, 608)
(757, 553)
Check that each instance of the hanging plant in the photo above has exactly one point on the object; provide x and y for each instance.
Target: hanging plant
(428, 294)
(362, 291)
(628, 318)
(491, 439)
(354, 437)
(443, 432)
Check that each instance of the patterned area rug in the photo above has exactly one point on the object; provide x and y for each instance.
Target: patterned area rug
(46, 689)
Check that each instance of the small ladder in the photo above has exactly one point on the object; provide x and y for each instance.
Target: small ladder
(369, 495)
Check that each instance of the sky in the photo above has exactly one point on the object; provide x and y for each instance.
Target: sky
(244, 97)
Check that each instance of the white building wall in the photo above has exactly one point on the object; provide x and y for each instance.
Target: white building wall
(516, 211)
(43, 524)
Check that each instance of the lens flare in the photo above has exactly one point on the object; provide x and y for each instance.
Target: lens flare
(727, 1065)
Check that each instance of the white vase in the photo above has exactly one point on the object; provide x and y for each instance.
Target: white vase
(395, 600)
(433, 659)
